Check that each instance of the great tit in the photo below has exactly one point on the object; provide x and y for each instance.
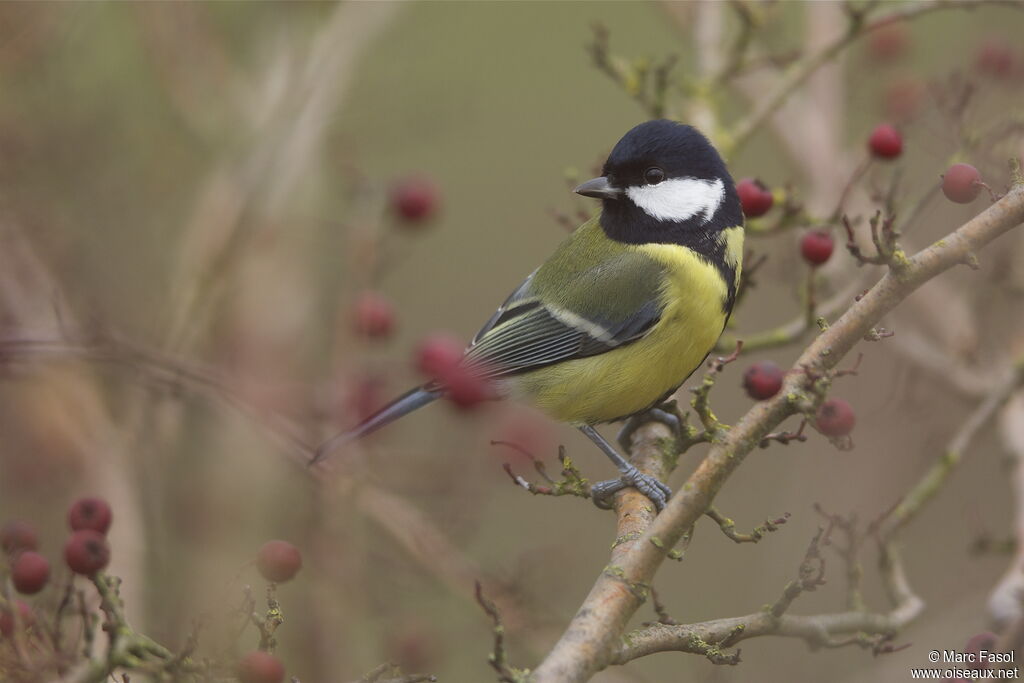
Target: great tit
(628, 306)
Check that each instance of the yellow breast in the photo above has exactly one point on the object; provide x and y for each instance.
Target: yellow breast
(632, 378)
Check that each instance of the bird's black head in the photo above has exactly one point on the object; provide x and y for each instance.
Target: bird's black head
(664, 182)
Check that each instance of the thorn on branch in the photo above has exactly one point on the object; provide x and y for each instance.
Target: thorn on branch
(728, 526)
(661, 611)
(785, 437)
(852, 370)
(882, 644)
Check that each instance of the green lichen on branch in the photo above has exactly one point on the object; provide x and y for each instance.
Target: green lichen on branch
(728, 527)
(498, 658)
(572, 483)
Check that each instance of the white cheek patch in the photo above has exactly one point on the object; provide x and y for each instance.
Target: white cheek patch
(679, 199)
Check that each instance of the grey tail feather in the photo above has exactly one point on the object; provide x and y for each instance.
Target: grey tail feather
(401, 406)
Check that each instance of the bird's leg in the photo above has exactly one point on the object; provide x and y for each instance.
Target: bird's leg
(664, 414)
(602, 492)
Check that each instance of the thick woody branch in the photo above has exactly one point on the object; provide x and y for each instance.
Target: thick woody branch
(593, 635)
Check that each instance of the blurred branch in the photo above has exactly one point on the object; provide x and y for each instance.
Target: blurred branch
(594, 633)
(243, 196)
(646, 84)
(162, 368)
(389, 673)
(433, 550)
(930, 484)
(409, 526)
(1004, 604)
(857, 25)
(794, 330)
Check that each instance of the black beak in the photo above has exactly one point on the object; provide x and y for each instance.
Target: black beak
(599, 188)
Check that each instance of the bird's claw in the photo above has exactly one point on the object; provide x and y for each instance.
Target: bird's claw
(663, 414)
(601, 493)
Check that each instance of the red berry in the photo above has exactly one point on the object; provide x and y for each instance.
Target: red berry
(415, 199)
(889, 41)
(413, 644)
(278, 561)
(90, 513)
(25, 614)
(885, 142)
(438, 354)
(29, 572)
(260, 667)
(464, 388)
(961, 183)
(755, 198)
(975, 644)
(816, 246)
(835, 418)
(86, 552)
(903, 98)
(995, 58)
(373, 315)
(17, 535)
(762, 380)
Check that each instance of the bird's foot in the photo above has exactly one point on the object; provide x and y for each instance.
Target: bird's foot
(665, 414)
(601, 493)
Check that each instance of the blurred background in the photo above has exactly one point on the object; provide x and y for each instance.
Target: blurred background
(195, 197)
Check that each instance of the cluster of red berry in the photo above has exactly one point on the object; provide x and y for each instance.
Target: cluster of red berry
(86, 552)
(763, 380)
(961, 183)
(414, 201)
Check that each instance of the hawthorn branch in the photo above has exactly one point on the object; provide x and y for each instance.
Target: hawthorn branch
(852, 627)
(591, 640)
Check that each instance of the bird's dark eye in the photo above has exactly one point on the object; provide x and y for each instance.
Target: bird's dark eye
(654, 175)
